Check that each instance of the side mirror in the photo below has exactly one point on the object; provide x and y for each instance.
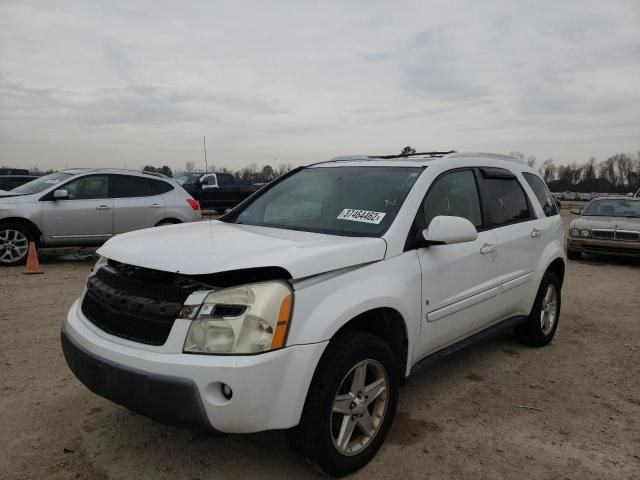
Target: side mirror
(60, 194)
(444, 230)
(575, 211)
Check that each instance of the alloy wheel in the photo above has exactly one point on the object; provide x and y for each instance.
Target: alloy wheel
(13, 245)
(549, 310)
(359, 407)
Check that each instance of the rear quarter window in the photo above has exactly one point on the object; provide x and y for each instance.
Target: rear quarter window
(542, 193)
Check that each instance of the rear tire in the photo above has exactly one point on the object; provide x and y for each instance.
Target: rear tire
(350, 405)
(14, 244)
(542, 323)
(574, 254)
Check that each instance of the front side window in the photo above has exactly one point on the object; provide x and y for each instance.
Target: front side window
(454, 194)
(506, 200)
(88, 188)
(352, 201)
(542, 194)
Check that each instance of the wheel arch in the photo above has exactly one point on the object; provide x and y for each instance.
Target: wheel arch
(171, 220)
(37, 233)
(387, 324)
(558, 267)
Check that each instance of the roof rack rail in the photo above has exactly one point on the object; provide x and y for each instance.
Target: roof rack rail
(424, 154)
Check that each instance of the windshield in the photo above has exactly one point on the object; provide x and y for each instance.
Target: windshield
(187, 178)
(613, 208)
(42, 183)
(352, 201)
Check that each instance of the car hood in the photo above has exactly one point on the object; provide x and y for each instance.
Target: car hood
(611, 223)
(212, 247)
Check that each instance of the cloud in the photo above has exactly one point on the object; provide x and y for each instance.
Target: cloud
(93, 82)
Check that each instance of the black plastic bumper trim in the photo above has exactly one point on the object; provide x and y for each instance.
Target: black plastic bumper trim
(167, 399)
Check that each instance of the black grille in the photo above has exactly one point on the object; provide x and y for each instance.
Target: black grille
(133, 303)
(627, 236)
(602, 234)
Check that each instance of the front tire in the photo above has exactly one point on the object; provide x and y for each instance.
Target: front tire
(14, 244)
(542, 323)
(350, 405)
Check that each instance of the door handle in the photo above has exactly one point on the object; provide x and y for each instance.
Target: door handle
(103, 207)
(155, 205)
(535, 233)
(488, 248)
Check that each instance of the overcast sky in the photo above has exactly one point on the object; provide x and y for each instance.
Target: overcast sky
(101, 83)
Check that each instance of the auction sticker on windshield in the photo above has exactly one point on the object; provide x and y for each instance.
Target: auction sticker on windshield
(364, 216)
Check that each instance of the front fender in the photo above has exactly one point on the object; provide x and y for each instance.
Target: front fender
(324, 304)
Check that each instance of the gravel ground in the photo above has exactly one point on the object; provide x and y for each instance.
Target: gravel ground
(495, 410)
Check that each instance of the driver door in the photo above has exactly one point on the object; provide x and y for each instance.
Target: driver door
(85, 217)
(459, 286)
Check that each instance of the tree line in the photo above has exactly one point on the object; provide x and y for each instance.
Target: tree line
(620, 173)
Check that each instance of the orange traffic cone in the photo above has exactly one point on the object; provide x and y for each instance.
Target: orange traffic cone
(33, 266)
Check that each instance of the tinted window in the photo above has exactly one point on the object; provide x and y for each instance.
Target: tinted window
(162, 187)
(87, 188)
(542, 194)
(455, 195)
(224, 179)
(507, 201)
(128, 186)
(356, 201)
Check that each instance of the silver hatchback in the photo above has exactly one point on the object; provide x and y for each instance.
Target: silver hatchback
(81, 207)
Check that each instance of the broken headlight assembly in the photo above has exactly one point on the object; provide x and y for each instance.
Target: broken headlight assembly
(247, 319)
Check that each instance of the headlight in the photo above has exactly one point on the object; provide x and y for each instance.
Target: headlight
(250, 318)
(585, 233)
(575, 232)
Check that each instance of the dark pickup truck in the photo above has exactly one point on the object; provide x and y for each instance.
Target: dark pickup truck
(8, 182)
(214, 190)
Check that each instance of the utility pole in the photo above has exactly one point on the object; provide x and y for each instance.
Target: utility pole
(204, 145)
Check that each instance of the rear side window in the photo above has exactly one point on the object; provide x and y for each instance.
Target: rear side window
(506, 200)
(542, 194)
(224, 179)
(124, 186)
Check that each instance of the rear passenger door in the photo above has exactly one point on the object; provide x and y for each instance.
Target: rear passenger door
(519, 235)
(136, 202)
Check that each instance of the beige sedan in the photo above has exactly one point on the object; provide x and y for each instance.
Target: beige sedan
(607, 226)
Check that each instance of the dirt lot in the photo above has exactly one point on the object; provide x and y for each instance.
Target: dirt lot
(461, 419)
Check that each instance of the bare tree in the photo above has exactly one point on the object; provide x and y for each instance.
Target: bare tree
(408, 150)
(548, 170)
(189, 166)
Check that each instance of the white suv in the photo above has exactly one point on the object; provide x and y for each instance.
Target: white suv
(306, 306)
